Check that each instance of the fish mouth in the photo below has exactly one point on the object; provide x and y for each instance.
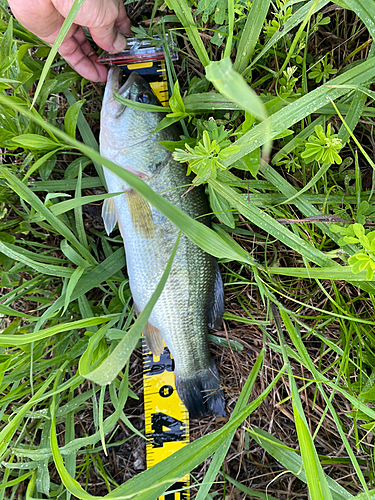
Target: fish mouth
(112, 109)
(115, 82)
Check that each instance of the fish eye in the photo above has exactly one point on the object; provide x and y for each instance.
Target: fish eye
(145, 97)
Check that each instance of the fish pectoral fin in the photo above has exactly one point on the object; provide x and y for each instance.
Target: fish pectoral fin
(109, 215)
(140, 212)
(215, 310)
(154, 339)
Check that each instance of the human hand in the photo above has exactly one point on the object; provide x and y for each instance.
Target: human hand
(106, 20)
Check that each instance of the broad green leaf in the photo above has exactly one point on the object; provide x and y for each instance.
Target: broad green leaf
(71, 117)
(221, 208)
(73, 280)
(140, 105)
(36, 142)
(87, 137)
(233, 86)
(39, 163)
(8, 311)
(72, 255)
(102, 272)
(65, 184)
(20, 255)
(332, 272)
(65, 206)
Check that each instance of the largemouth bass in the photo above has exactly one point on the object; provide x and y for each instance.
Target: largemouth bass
(192, 299)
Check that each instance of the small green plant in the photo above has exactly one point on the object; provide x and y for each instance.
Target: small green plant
(178, 109)
(283, 14)
(205, 158)
(287, 82)
(291, 162)
(322, 147)
(322, 70)
(364, 258)
(320, 21)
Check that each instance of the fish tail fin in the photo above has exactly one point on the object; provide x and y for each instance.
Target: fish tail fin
(201, 393)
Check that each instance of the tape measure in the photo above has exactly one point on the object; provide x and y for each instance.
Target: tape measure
(167, 420)
(166, 417)
(146, 57)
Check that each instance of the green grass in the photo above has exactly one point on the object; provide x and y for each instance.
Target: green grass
(68, 376)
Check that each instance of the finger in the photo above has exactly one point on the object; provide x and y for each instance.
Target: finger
(78, 53)
(123, 22)
(108, 34)
(108, 38)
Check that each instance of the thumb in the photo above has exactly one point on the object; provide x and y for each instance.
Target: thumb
(108, 38)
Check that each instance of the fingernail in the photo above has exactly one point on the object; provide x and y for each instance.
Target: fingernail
(119, 43)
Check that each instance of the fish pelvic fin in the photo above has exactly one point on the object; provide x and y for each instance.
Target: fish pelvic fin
(140, 212)
(154, 339)
(215, 311)
(201, 393)
(109, 215)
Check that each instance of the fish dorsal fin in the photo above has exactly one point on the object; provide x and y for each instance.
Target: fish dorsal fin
(154, 339)
(215, 310)
(109, 215)
(140, 212)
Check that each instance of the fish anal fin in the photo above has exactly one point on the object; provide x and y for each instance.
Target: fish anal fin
(109, 215)
(154, 339)
(215, 311)
(140, 212)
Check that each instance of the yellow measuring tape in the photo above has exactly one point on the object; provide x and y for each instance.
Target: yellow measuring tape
(166, 418)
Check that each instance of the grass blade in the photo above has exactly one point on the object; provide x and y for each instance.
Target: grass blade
(270, 225)
(183, 12)
(60, 37)
(250, 34)
(291, 460)
(26, 194)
